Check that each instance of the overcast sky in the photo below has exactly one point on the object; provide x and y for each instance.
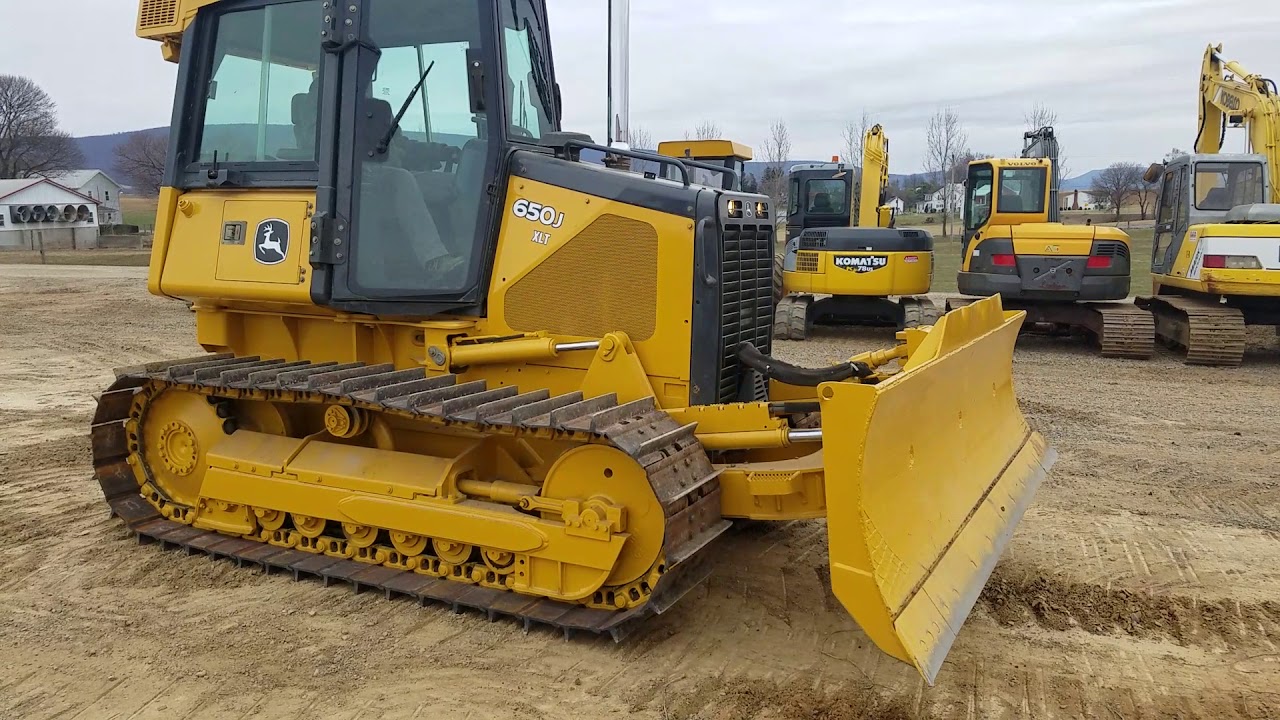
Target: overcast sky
(1121, 74)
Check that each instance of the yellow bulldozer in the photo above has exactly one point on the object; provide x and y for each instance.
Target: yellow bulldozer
(451, 359)
(834, 273)
(1215, 263)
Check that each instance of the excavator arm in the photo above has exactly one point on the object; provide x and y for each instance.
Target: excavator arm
(1231, 96)
(875, 180)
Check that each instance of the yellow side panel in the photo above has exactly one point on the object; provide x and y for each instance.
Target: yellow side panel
(201, 253)
(589, 266)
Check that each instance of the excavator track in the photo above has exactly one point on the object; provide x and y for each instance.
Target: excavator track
(1124, 331)
(679, 473)
(1210, 332)
(1121, 330)
(918, 312)
(791, 317)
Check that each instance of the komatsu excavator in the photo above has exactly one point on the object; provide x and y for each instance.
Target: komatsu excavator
(1215, 265)
(1063, 276)
(840, 275)
(450, 360)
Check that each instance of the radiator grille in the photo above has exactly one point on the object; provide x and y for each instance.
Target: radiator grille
(1111, 249)
(813, 240)
(157, 13)
(603, 279)
(746, 309)
(807, 262)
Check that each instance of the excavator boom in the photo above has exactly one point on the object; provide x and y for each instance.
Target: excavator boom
(1231, 96)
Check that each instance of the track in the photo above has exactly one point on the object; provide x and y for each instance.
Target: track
(1211, 333)
(1121, 330)
(679, 473)
(1124, 331)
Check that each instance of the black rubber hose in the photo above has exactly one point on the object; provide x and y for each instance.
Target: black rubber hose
(795, 375)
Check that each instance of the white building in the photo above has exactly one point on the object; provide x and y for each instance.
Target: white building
(37, 212)
(98, 186)
(1076, 200)
(935, 202)
(897, 204)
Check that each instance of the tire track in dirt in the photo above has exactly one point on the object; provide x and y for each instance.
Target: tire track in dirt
(1016, 595)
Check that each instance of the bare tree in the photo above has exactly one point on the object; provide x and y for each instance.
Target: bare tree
(640, 138)
(141, 158)
(945, 140)
(1117, 183)
(706, 130)
(30, 141)
(1146, 193)
(854, 135)
(1041, 115)
(776, 150)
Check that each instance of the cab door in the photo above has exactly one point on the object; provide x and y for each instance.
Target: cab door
(1171, 220)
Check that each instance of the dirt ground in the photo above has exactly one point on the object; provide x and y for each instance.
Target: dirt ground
(1143, 583)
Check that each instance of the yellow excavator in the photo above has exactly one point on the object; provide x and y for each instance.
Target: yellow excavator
(1215, 265)
(1065, 277)
(449, 359)
(840, 275)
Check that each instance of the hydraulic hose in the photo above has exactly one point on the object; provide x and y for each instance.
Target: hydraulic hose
(789, 374)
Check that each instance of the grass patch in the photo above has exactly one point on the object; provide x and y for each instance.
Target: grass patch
(139, 210)
(125, 258)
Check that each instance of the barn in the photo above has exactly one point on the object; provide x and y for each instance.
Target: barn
(38, 212)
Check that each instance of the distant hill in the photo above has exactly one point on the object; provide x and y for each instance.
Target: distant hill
(99, 150)
(1082, 182)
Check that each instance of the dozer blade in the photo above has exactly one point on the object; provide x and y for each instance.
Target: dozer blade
(927, 474)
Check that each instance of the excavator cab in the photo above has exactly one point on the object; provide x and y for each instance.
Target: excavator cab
(728, 158)
(820, 196)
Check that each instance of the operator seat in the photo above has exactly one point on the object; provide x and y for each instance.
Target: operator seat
(398, 235)
(821, 203)
(1216, 199)
(304, 109)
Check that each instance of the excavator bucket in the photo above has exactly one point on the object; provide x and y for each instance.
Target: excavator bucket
(927, 475)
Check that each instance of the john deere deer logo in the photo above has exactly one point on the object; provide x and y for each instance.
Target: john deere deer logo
(271, 242)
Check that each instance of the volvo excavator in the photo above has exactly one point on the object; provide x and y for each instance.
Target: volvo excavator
(1215, 265)
(840, 275)
(448, 359)
(1066, 277)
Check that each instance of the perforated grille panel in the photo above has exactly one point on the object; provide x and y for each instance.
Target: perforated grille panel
(157, 13)
(746, 306)
(807, 262)
(604, 279)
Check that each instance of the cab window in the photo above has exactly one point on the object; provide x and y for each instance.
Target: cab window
(530, 101)
(825, 197)
(978, 202)
(1021, 190)
(260, 100)
(1222, 186)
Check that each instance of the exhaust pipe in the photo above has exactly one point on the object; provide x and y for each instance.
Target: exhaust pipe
(618, 92)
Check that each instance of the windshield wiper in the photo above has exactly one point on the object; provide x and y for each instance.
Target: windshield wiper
(385, 142)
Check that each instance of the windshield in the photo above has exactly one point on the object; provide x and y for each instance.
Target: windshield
(978, 205)
(418, 207)
(260, 101)
(1222, 186)
(825, 197)
(1021, 190)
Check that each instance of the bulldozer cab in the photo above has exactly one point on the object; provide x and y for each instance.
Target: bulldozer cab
(397, 112)
(1201, 189)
